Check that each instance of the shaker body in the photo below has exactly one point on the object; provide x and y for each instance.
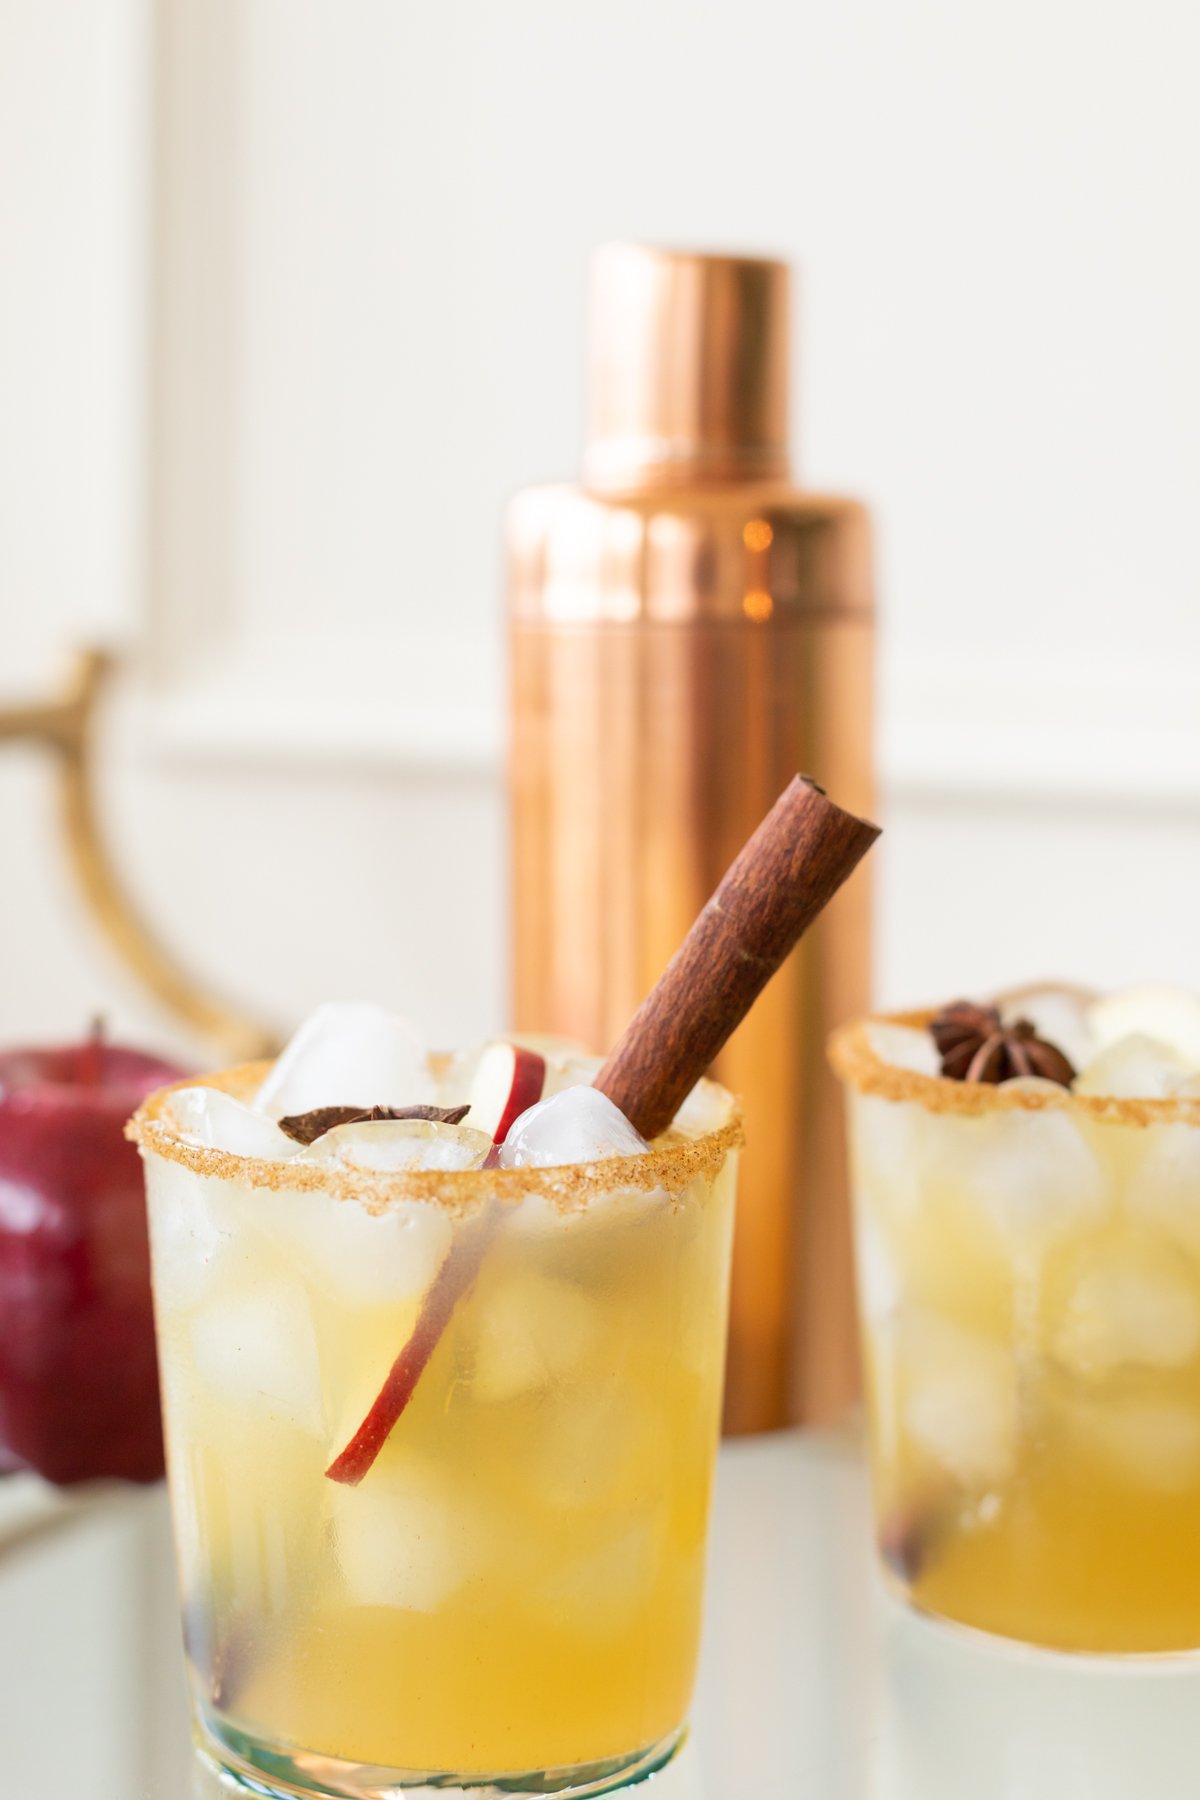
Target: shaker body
(675, 659)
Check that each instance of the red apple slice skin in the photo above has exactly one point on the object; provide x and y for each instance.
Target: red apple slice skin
(528, 1081)
(509, 1079)
(518, 1076)
(450, 1285)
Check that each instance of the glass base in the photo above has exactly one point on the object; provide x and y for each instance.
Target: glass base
(247, 1765)
(945, 1626)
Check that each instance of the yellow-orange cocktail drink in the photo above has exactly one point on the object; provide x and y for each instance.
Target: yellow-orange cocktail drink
(1029, 1271)
(511, 1591)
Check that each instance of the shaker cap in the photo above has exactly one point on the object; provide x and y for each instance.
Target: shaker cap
(688, 377)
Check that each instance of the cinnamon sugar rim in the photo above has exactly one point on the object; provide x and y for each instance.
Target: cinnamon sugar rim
(853, 1057)
(668, 1166)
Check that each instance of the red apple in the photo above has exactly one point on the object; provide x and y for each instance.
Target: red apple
(78, 1376)
(509, 1079)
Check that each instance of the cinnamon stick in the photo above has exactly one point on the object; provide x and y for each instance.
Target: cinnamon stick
(795, 862)
(782, 878)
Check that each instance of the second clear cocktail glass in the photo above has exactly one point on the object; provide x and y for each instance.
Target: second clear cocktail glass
(1029, 1278)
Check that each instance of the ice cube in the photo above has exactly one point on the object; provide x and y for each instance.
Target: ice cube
(1164, 1184)
(578, 1070)
(454, 1082)
(1035, 1173)
(603, 1592)
(578, 1125)
(1168, 1015)
(348, 1054)
(257, 1351)
(877, 1274)
(1134, 1068)
(1154, 1443)
(1130, 1308)
(705, 1109)
(961, 1397)
(903, 1047)
(1059, 1015)
(205, 1115)
(597, 1444)
(406, 1537)
(389, 1146)
(367, 1257)
(889, 1143)
(534, 1332)
(539, 1216)
(193, 1224)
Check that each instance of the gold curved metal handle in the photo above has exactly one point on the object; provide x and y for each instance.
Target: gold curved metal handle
(65, 725)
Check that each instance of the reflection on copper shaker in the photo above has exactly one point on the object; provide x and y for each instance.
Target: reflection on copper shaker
(687, 632)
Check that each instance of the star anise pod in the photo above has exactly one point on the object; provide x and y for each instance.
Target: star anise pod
(976, 1045)
(307, 1127)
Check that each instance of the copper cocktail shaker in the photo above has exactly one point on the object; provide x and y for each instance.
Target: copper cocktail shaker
(687, 632)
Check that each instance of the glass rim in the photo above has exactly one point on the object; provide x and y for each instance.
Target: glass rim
(668, 1167)
(855, 1060)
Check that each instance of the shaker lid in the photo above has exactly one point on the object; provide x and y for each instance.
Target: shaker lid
(688, 378)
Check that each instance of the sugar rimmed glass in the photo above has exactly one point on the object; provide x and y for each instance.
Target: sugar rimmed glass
(1029, 1279)
(510, 1599)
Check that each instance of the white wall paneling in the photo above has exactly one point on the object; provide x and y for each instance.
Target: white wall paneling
(371, 286)
(74, 173)
(314, 276)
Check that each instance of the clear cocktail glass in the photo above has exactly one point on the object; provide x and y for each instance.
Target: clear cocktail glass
(1029, 1278)
(508, 1596)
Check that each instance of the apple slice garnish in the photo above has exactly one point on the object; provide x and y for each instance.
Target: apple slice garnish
(459, 1269)
(508, 1080)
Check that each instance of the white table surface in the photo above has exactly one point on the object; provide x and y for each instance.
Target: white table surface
(812, 1682)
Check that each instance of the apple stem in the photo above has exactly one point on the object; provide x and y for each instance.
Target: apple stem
(89, 1068)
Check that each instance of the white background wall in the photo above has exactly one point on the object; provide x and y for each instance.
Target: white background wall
(291, 299)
